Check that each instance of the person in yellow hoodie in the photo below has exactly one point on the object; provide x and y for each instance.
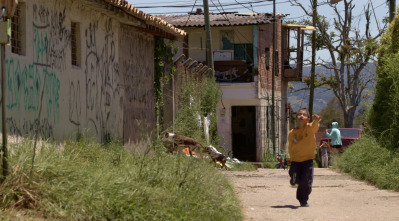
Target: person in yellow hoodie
(301, 147)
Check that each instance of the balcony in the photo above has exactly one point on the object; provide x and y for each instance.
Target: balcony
(293, 74)
(233, 71)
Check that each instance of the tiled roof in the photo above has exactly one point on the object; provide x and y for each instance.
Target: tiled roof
(155, 21)
(222, 19)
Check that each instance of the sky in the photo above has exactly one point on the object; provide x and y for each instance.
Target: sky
(159, 7)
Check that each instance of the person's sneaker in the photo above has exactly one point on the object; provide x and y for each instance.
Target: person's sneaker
(293, 179)
(304, 204)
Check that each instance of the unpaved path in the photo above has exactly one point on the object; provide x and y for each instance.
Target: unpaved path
(266, 194)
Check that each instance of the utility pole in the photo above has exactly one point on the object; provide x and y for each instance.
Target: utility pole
(392, 10)
(209, 53)
(313, 69)
(7, 8)
(273, 123)
(3, 21)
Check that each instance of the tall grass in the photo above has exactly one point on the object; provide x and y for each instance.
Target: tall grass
(368, 160)
(86, 181)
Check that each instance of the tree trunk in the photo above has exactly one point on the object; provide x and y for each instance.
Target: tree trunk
(349, 117)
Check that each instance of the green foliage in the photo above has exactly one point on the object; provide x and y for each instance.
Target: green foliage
(197, 98)
(244, 166)
(270, 164)
(361, 116)
(163, 54)
(384, 115)
(332, 113)
(368, 160)
(86, 181)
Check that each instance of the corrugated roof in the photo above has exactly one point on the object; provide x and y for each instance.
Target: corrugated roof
(221, 19)
(152, 20)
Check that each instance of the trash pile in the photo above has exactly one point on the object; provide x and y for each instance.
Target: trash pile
(173, 142)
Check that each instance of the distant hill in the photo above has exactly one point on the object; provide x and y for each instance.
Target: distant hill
(300, 98)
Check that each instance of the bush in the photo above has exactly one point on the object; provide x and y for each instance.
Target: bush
(384, 115)
(86, 181)
(368, 160)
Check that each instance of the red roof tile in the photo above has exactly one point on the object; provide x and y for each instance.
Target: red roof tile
(222, 19)
(151, 20)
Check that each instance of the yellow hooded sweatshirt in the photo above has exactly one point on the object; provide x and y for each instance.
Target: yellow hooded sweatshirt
(302, 142)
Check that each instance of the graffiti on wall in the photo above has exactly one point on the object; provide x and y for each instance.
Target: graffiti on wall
(24, 85)
(44, 128)
(26, 81)
(51, 38)
(75, 109)
(101, 76)
(138, 67)
(137, 63)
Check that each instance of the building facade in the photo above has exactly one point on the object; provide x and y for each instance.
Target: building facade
(242, 45)
(82, 66)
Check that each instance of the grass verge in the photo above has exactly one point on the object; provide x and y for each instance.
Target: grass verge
(367, 160)
(86, 181)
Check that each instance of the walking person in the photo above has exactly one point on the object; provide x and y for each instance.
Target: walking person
(335, 136)
(301, 147)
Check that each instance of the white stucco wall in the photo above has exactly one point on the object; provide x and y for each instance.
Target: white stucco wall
(88, 98)
(243, 94)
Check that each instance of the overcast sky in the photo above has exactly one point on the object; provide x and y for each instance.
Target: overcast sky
(155, 7)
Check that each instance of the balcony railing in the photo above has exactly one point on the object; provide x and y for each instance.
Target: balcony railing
(233, 71)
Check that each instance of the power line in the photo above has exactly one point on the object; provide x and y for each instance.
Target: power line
(192, 9)
(190, 5)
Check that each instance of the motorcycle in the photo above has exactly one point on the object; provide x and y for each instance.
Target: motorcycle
(282, 161)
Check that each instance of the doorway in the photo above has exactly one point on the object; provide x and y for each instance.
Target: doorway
(243, 126)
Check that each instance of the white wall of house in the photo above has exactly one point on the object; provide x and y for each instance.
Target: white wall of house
(88, 97)
(244, 94)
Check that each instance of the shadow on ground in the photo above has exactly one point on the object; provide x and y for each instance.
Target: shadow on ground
(285, 206)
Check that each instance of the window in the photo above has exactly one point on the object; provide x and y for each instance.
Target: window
(75, 44)
(244, 52)
(267, 58)
(18, 30)
(227, 38)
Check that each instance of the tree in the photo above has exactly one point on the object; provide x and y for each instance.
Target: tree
(332, 113)
(350, 50)
(384, 114)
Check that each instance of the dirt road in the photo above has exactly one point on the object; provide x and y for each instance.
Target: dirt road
(266, 194)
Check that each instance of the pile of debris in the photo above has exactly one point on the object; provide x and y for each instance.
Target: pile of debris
(174, 142)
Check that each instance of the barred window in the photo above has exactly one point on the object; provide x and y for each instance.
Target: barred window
(75, 44)
(18, 30)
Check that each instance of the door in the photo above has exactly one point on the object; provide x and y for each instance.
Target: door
(244, 132)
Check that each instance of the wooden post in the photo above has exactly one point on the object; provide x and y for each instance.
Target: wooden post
(312, 74)
(392, 10)
(209, 52)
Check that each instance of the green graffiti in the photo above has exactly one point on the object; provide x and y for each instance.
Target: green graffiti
(24, 83)
(32, 88)
(15, 81)
(52, 89)
(41, 45)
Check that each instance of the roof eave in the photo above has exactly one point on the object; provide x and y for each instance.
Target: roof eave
(150, 21)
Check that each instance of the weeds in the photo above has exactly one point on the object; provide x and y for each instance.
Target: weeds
(86, 181)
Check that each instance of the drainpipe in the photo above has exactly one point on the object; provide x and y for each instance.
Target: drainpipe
(273, 123)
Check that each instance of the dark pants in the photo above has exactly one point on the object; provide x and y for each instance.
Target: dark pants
(303, 177)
